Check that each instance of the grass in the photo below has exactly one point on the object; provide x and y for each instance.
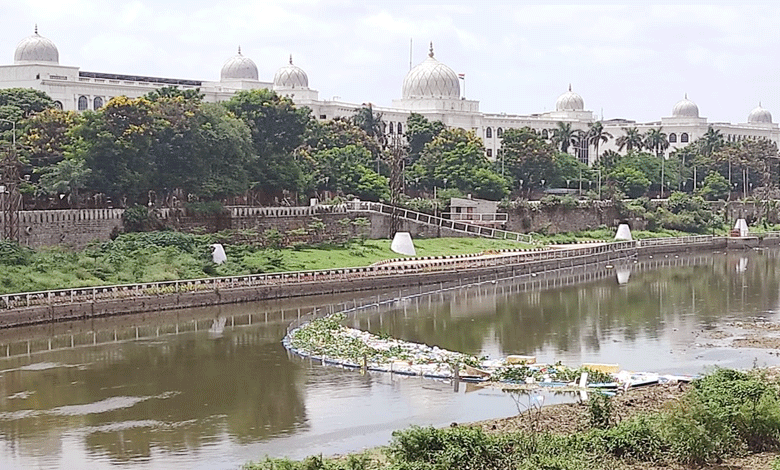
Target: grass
(165, 256)
(725, 414)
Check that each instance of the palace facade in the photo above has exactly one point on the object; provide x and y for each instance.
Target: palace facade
(431, 89)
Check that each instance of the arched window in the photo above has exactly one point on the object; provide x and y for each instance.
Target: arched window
(499, 132)
(97, 103)
(684, 137)
(545, 135)
(391, 127)
(400, 128)
(82, 106)
(58, 105)
(672, 138)
(488, 133)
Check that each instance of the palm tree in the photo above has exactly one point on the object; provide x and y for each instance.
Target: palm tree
(631, 140)
(710, 142)
(371, 123)
(562, 136)
(656, 140)
(597, 135)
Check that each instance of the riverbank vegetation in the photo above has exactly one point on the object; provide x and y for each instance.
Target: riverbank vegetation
(725, 415)
(169, 255)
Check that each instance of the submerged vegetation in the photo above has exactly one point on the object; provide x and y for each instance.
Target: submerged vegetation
(724, 414)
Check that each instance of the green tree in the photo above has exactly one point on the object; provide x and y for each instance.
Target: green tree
(277, 128)
(715, 187)
(66, 177)
(596, 135)
(371, 123)
(631, 181)
(420, 131)
(562, 135)
(710, 142)
(656, 141)
(630, 140)
(456, 156)
(115, 142)
(527, 158)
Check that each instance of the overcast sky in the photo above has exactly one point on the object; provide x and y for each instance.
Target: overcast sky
(628, 60)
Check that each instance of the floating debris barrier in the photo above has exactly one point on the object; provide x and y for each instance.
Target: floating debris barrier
(327, 340)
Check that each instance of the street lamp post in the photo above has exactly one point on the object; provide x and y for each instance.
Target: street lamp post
(11, 203)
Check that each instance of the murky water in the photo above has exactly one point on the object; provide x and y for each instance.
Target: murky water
(214, 388)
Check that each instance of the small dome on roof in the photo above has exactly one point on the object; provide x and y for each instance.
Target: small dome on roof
(570, 101)
(760, 116)
(239, 67)
(36, 49)
(291, 76)
(685, 108)
(431, 79)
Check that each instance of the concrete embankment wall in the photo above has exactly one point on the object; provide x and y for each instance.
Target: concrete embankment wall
(54, 307)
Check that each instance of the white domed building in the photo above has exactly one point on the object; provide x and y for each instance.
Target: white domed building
(238, 68)
(291, 81)
(432, 89)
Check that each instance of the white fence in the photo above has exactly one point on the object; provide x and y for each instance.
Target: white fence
(454, 225)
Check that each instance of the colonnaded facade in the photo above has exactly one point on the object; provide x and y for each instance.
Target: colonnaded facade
(431, 89)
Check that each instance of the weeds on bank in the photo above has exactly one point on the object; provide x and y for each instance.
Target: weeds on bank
(726, 413)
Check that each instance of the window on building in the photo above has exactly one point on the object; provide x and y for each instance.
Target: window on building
(392, 129)
(545, 134)
(488, 133)
(490, 153)
(581, 149)
(97, 103)
(400, 128)
(672, 138)
(499, 132)
(322, 116)
(82, 104)
(684, 137)
(58, 105)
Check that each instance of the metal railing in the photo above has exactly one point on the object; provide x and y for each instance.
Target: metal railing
(689, 240)
(454, 225)
(152, 289)
(478, 217)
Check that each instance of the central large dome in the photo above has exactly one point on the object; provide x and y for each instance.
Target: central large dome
(685, 108)
(760, 116)
(431, 79)
(569, 101)
(36, 48)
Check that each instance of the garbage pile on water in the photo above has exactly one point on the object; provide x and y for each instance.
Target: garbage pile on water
(328, 341)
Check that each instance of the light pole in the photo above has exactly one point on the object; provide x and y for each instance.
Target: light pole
(599, 170)
(11, 204)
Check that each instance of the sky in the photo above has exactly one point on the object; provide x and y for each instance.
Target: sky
(631, 60)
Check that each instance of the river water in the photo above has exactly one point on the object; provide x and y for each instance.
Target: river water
(214, 388)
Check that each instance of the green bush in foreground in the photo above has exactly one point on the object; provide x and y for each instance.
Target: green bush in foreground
(726, 413)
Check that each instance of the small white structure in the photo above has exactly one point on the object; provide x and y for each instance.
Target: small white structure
(623, 233)
(741, 227)
(402, 244)
(218, 255)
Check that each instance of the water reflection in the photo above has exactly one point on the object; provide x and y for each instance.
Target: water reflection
(213, 388)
